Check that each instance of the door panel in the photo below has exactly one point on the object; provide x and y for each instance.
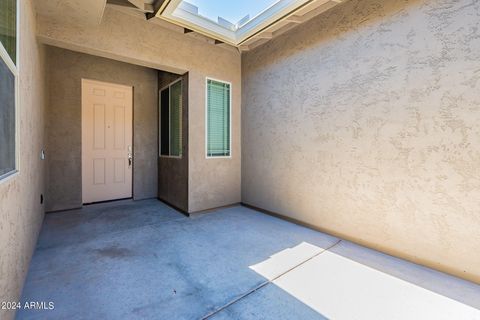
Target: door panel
(119, 170)
(99, 127)
(107, 111)
(119, 127)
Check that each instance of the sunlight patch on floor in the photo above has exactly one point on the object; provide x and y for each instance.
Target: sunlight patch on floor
(285, 260)
(340, 288)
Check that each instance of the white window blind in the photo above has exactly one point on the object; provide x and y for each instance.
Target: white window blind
(218, 118)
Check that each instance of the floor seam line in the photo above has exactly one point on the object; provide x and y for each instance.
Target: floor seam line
(246, 294)
(264, 284)
(306, 260)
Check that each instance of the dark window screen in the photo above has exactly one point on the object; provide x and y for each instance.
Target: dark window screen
(8, 28)
(165, 122)
(7, 119)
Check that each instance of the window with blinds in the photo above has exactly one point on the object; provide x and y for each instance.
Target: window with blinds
(218, 118)
(170, 121)
(8, 83)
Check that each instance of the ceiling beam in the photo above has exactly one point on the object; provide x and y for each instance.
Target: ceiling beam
(294, 19)
(148, 8)
(139, 4)
(121, 3)
(156, 7)
(264, 35)
(243, 47)
(144, 7)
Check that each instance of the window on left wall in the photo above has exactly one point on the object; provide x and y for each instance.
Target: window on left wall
(8, 84)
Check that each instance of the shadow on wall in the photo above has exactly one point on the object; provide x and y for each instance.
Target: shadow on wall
(334, 25)
(364, 123)
(64, 118)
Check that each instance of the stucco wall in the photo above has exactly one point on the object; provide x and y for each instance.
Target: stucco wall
(21, 213)
(365, 122)
(64, 124)
(173, 172)
(212, 182)
(127, 38)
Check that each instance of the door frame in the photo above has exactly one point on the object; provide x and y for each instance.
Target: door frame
(132, 88)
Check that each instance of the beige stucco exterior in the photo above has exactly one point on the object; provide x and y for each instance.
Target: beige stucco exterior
(128, 38)
(212, 181)
(79, 12)
(21, 213)
(66, 69)
(365, 123)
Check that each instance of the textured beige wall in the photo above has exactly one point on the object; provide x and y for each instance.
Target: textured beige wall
(127, 38)
(21, 213)
(64, 123)
(365, 122)
(79, 12)
(212, 182)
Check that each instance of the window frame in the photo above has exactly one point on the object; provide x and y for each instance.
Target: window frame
(14, 68)
(266, 18)
(206, 119)
(160, 155)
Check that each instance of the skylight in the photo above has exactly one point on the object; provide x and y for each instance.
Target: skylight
(230, 21)
(236, 13)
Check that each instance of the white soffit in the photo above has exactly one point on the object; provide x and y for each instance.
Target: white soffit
(249, 31)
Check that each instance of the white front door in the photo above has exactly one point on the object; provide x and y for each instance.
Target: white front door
(106, 141)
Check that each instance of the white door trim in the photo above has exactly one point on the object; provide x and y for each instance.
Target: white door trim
(107, 139)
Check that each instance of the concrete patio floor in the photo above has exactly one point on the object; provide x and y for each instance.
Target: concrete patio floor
(144, 260)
